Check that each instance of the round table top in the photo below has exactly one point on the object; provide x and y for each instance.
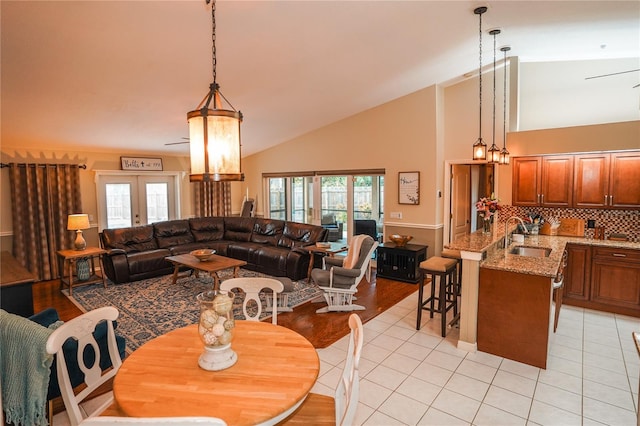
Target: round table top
(276, 369)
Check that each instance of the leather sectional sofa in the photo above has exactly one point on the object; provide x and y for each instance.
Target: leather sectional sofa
(267, 245)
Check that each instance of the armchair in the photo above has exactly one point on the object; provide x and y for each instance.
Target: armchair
(335, 229)
(340, 281)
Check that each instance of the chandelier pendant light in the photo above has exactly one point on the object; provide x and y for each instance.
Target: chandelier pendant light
(494, 151)
(480, 148)
(504, 153)
(214, 132)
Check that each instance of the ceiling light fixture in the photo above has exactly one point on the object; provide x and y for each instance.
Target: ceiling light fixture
(494, 151)
(480, 148)
(504, 153)
(214, 132)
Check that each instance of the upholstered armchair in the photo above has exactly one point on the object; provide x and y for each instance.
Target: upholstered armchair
(329, 222)
(340, 277)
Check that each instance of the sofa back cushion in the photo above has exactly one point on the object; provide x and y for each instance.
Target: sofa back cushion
(207, 228)
(137, 238)
(300, 234)
(172, 233)
(238, 228)
(267, 231)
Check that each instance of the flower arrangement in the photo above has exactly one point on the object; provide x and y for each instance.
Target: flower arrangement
(487, 206)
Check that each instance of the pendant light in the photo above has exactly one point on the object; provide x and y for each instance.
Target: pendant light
(214, 132)
(480, 148)
(494, 151)
(504, 154)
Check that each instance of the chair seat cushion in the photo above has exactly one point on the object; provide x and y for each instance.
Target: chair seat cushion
(321, 277)
(438, 264)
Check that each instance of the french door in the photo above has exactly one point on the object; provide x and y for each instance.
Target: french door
(133, 200)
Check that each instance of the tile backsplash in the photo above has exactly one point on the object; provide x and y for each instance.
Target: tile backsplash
(615, 221)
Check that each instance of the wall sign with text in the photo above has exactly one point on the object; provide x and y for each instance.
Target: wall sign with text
(141, 163)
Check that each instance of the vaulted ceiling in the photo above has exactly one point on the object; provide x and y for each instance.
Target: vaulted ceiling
(121, 75)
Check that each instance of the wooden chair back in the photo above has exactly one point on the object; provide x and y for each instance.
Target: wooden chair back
(252, 287)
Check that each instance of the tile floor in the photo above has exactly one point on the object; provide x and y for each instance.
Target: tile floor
(410, 377)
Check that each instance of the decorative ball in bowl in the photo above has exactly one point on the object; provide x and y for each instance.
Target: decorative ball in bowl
(203, 254)
(400, 240)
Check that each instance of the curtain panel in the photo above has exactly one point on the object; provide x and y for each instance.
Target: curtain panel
(43, 195)
(213, 198)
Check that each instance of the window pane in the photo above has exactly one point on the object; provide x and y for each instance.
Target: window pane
(118, 205)
(157, 202)
(277, 199)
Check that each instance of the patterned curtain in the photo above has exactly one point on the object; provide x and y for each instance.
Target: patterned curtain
(213, 199)
(43, 195)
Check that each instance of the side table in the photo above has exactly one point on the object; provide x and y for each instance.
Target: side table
(68, 260)
(401, 263)
(331, 250)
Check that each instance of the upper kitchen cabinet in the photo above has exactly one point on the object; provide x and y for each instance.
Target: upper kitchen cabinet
(607, 180)
(545, 181)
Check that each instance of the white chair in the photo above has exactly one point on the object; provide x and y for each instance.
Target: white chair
(156, 421)
(252, 286)
(81, 329)
(339, 283)
(341, 409)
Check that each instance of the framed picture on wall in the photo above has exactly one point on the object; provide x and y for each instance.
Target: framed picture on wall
(409, 188)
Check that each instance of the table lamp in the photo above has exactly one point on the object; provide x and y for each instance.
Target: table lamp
(78, 222)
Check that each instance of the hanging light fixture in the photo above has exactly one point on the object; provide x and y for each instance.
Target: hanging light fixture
(214, 132)
(504, 154)
(480, 148)
(494, 151)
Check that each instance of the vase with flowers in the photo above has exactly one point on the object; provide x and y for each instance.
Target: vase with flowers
(487, 208)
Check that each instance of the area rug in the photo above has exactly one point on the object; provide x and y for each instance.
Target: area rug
(152, 307)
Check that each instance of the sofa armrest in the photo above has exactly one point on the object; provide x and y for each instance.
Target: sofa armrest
(115, 252)
(116, 265)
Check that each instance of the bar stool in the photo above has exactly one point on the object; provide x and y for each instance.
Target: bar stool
(447, 296)
(455, 254)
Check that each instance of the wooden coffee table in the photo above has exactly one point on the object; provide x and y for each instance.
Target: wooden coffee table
(214, 265)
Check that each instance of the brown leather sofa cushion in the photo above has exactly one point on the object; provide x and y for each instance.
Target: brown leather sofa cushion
(300, 234)
(238, 228)
(172, 233)
(207, 228)
(134, 239)
(267, 231)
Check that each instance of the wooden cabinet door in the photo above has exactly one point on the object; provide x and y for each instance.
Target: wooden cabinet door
(557, 181)
(577, 279)
(615, 279)
(624, 182)
(526, 177)
(591, 180)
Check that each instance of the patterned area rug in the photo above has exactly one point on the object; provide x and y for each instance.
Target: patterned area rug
(152, 307)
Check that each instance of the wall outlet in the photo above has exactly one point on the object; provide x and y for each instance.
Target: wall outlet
(396, 215)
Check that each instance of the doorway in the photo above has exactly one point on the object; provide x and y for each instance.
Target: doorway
(467, 184)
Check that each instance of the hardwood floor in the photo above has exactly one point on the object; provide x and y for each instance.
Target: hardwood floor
(320, 329)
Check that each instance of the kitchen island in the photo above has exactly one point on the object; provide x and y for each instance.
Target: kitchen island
(486, 252)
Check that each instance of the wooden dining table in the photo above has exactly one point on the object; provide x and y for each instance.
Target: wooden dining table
(275, 371)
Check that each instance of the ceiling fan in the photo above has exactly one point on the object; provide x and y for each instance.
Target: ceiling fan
(185, 140)
(615, 73)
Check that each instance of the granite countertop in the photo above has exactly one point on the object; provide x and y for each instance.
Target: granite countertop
(499, 258)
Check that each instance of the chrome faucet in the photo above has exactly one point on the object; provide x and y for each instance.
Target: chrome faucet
(506, 227)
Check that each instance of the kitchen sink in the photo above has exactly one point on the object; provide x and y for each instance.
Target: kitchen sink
(531, 251)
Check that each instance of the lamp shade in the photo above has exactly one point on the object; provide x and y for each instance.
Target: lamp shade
(78, 221)
(214, 139)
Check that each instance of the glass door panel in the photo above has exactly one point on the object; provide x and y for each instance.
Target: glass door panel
(301, 199)
(118, 200)
(277, 198)
(368, 205)
(157, 205)
(334, 204)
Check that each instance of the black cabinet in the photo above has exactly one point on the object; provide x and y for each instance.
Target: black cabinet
(400, 263)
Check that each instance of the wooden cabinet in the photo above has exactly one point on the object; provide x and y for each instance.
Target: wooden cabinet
(616, 279)
(577, 279)
(603, 278)
(16, 281)
(545, 181)
(607, 180)
(400, 263)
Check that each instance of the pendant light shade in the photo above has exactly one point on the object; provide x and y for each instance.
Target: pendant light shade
(504, 153)
(494, 151)
(479, 147)
(214, 132)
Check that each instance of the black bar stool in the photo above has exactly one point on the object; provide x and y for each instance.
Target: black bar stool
(447, 296)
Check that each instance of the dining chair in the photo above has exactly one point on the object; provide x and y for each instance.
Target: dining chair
(340, 409)
(81, 329)
(252, 287)
(156, 421)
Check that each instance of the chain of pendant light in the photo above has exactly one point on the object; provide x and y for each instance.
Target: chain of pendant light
(214, 60)
(480, 73)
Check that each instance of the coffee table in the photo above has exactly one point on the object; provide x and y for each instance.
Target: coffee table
(214, 265)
